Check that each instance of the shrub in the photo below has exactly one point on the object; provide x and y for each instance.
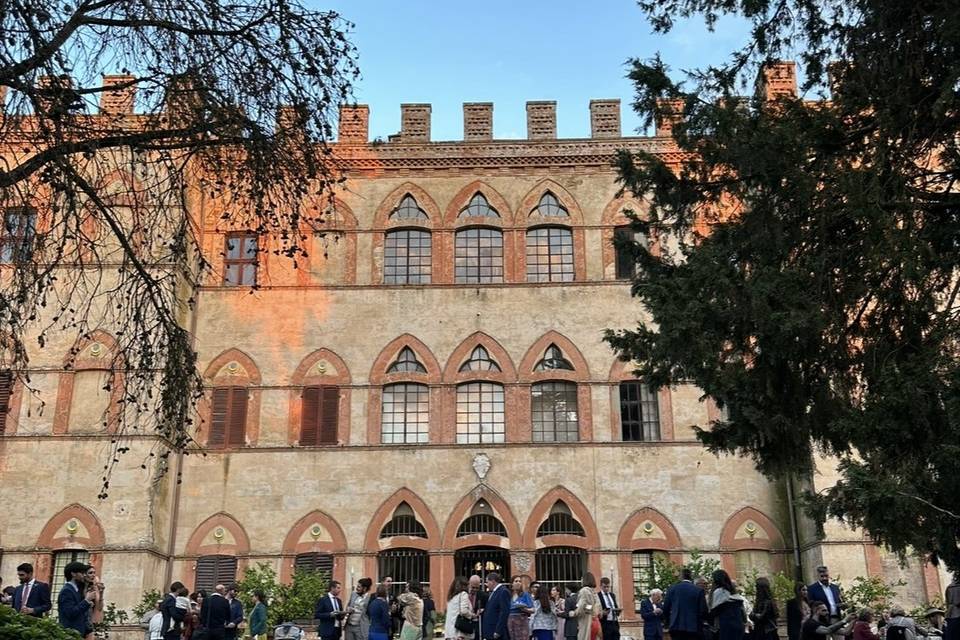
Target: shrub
(15, 626)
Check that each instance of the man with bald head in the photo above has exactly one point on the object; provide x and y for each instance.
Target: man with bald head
(478, 600)
(215, 613)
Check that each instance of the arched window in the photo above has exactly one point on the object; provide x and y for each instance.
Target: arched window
(60, 561)
(644, 570)
(553, 409)
(480, 413)
(553, 359)
(560, 521)
(408, 209)
(481, 521)
(550, 207)
(478, 255)
(480, 360)
(478, 208)
(550, 255)
(403, 523)
(213, 570)
(228, 417)
(314, 563)
(639, 412)
(406, 362)
(407, 255)
(405, 413)
(403, 565)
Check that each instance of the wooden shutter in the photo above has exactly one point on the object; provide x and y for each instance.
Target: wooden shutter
(319, 562)
(6, 390)
(214, 570)
(320, 414)
(218, 417)
(237, 417)
(329, 413)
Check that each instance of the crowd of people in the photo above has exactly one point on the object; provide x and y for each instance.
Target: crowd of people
(486, 609)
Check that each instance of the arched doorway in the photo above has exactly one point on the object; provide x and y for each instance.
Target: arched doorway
(481, 561)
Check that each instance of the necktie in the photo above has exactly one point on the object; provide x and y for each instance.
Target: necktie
(26, 596)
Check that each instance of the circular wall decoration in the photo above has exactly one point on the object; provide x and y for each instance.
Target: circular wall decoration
(233, 366)
(316, 531)
(648, 527)
(96, 349)
(219, 533)
(72, 526)
(751, 529)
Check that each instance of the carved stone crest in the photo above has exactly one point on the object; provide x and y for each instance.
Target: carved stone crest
(481, 465)
(522, 561)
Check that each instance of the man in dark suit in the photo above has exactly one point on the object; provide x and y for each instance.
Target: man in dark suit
(172, 618)
(652, 615)
(828, 593)
(609, 611)
(329, 612)
(493, 622)
(685, 608)
(75, 600)
(478, 601)
(571, 625)
(32, 597)
(215, 614)
(236, 614)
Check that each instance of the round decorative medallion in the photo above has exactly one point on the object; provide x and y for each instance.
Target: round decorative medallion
(96, 349)
(219, 533)
(648, 527)
(751, 529)
(72, 526)
(316, 531)
(321, 367)
(233, 366)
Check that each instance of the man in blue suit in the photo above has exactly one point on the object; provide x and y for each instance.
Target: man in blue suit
(652, 615)
(685, 608)
(236, 614)
(330, 614)
(824, 591)
(32, 597)
(494, 619)
(75, 600)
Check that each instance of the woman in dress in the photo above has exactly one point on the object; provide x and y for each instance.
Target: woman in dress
(458, 604)
(798, 610)
(556, 599)
(412, 604)
(588, 607)
(726, 608)
(429, 613)
(543, 623)
(765, 614)
(379, 613)
(521, 607)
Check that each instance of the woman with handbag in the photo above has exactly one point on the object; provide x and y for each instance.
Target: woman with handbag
(459, 623)
(588, 609)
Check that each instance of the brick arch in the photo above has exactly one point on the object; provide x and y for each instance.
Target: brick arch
(291, 547)
(729, 544)
(462, 510)
(621, 371)
(530, 201)
(542, 509)
(580, 375)
(627, 544)
(379, 378)
(307, 375)
(344, 230)
(385, 511)
(241, 545)
(75, 361)
(48, 542)
(451, 371)
(388, 204)
(440, 259)
(613, 217)
(251, 378)
(462, 199)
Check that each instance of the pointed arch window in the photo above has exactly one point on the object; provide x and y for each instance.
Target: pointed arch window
(480, 360)
(408, 209)
(550, 255)
(478, 208)
(560, 521)
(405, 414)
(550, 207)
(403, 523)
(406, 362)
(481, 520)
(553, 359)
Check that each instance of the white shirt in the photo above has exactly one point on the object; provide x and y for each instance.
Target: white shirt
(828, 594)
(156, 627)
(608, 604)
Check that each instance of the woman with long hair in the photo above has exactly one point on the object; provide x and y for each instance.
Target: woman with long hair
(798, 610)
(556, 600)
(458, 604)
(543, 624)
(726, 608)
(588, 608)
(412, 604)
(258, 616)
(521, 607)
(765, 614)
(379, 613)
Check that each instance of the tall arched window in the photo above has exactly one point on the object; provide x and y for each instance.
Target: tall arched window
(60, 561)
(480, 404)
(550, 255)
(478, 251)
(553, 403)
(407, 253)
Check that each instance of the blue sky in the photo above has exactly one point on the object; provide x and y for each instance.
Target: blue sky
(507, 52)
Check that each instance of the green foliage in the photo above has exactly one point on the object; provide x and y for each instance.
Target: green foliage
(871, 592)
(666, 572)
(285, 602)
(147, 602)
(782, 586)
(917, 613)
(15, 626)
(812, 291)
(112, 615)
